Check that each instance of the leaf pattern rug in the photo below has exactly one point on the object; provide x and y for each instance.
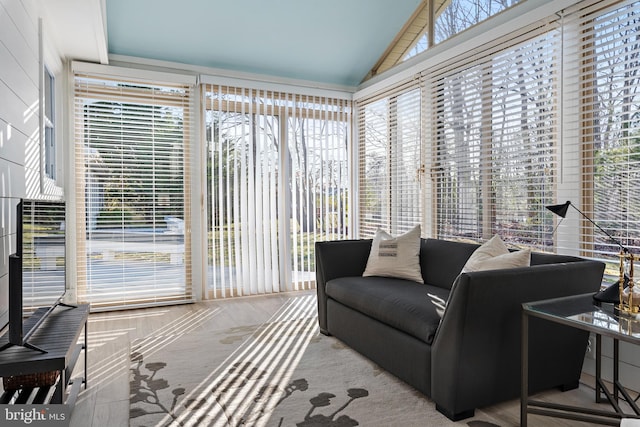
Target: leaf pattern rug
(281, 372)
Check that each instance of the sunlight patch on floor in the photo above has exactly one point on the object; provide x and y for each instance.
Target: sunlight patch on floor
(268, 357)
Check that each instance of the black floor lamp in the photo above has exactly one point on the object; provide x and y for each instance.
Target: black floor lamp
(611, 293)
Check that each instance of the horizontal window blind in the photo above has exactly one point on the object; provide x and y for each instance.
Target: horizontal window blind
(390, 164)
(132, 192)
(43, 253)
(277, 182)
(495, 125)
(545, 114)
(602, 136)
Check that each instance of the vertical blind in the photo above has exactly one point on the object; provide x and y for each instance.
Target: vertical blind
(390, 166)
(132, 192)
(277, 182)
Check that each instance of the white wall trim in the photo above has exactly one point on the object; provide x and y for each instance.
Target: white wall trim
(132, 73)
(236, 78)
(100, 25)
(276, 87)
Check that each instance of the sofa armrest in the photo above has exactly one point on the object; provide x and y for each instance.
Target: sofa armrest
(339, 258)
(476, 351)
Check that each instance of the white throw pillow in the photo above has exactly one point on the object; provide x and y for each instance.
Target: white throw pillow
(511, 260)
(491, 248)
(494, 255)
(395, 256)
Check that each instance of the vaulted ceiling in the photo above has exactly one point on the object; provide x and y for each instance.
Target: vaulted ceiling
(334, 42)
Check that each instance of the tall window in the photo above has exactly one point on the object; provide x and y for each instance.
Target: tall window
(485, 125)
(546, 114)
(496, 135)
(277, 182)
(132, 197)
(604, 81)
(390, 167)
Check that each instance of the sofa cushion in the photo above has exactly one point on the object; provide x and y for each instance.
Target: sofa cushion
(395, 256)
(405, 305)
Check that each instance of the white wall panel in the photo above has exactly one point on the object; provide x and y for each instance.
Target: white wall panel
(19, 120)
(13, 143)
(13, 109)
(24, 15)
(19, 115)
(12, 182)
(23, 45)
(22, 78)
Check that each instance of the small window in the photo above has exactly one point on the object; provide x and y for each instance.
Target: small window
(455, 16)
(462, 14)
(49, 128)
(421, 45)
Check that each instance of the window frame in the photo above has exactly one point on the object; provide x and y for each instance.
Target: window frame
(49, 128)
(399, 194)
(45, 168)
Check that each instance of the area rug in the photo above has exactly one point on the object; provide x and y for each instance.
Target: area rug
(281, 372)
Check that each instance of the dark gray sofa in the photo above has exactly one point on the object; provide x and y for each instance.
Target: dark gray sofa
(471, 357)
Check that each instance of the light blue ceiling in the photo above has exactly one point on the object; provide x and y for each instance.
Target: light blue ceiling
(328, 41)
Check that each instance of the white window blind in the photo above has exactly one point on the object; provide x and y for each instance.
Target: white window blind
(490, 125)
(602, 135)
(43, 253)
(542, 115)
(132, 192)
(277, 182)
(390, 166)
(495, 134)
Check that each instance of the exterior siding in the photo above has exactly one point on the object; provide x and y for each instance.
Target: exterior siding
(19, 118)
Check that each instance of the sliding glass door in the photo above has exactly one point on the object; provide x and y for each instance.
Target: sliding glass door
(277, 182)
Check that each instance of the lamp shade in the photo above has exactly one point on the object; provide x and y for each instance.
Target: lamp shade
(560, 210)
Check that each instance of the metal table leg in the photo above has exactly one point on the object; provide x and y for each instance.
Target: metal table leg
(524, 367)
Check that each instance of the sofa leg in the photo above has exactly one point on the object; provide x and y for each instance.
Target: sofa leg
(570, 386)
(457, 416)
(325, 332)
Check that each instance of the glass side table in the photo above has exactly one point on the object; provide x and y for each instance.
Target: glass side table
(602, 320)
